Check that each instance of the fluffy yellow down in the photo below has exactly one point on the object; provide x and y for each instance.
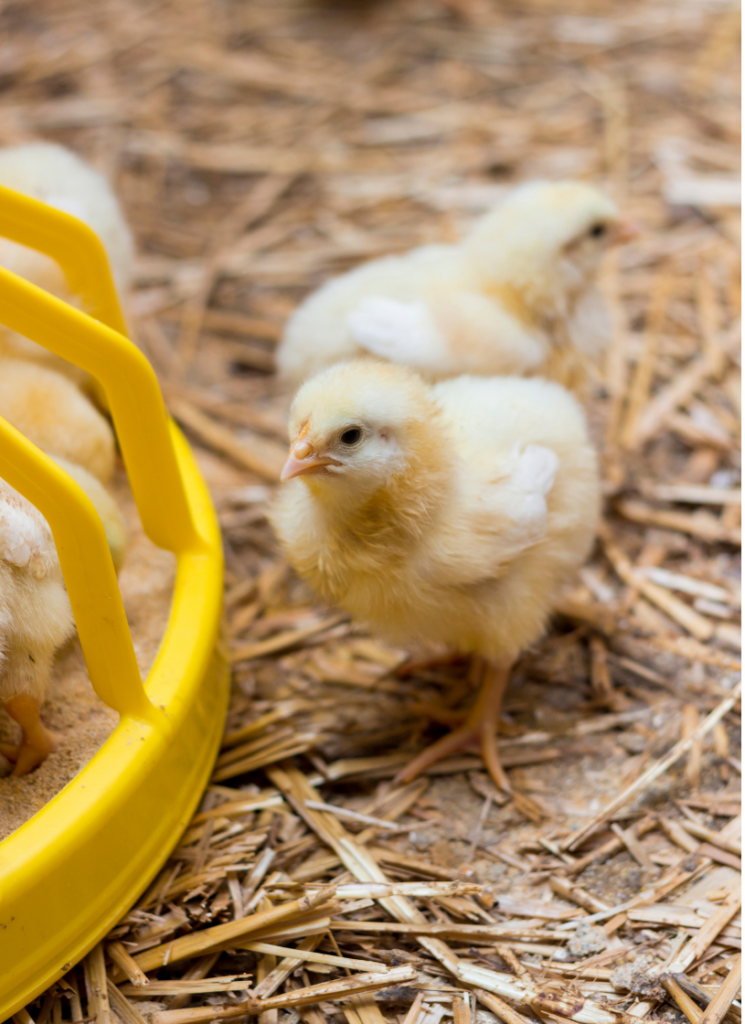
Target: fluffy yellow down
(51, 411)
(35, 614)
(517, 295)
(460, 515)
(57, 176)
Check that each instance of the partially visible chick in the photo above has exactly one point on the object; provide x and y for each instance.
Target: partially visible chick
(35, 614)
(517, 295)
(58, 177)
(35, 619)
(451, 513)
(104, 504)
(56, 416)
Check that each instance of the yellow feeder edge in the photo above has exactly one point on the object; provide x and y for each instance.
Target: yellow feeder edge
(71, 872)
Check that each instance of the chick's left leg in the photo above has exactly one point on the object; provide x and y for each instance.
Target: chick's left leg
(37, 742)
(481, 726)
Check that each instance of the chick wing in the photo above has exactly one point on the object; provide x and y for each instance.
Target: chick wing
(402, 332)
(525, 481)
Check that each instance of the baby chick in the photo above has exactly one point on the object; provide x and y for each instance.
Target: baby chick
(449, 513)
(104, 504)
(58, 177)
(35, 613)
(35, 619)
(518, 295)
(56, 416)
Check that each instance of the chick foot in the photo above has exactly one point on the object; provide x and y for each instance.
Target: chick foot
(37, 742)
(480, 726)
(424, 664)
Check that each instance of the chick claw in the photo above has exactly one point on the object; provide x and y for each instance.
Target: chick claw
(37, 742)
(28, 755)
(481, 726)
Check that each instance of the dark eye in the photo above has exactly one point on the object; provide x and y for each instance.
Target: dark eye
(598, 230)
(351, 436)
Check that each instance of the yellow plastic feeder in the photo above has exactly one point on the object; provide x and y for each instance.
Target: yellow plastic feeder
(71, 872)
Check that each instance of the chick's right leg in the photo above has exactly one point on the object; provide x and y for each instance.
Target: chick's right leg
(480, 726)
(37, 742)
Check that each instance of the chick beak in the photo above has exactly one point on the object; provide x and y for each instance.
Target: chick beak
(626, 231)
(303, 459)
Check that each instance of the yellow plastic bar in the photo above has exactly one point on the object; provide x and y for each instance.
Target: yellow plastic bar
(133, 395)
(70, 243)
(87, 567)
(71, 871)
(134, 398)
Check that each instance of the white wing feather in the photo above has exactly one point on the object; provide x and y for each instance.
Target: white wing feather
(504, 517)
(530, 483)
(402, 332)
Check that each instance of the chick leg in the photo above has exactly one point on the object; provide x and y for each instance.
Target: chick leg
(481, 725)
(37, 742)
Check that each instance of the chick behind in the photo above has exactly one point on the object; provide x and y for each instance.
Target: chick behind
(518, 295)
(51, 411)
(450, 513)
(58, 177)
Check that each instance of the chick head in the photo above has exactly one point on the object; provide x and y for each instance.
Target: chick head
(358, 425)
(547, 240)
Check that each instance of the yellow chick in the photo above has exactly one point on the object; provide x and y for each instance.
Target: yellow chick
(58, 177)
(35, 614)
(104, 504)
(35, 619)
(517, 295)
(53, 413)
(450, 513)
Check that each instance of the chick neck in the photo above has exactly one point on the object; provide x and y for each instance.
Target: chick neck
(538, 286)
(538, 296)
(393, 512)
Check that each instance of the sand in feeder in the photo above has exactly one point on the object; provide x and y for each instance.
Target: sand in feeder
(72, 709)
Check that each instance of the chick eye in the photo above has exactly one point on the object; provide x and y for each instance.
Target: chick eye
(598, 230)
(351, 436)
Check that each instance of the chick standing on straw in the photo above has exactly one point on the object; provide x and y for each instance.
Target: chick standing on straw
(451, 513)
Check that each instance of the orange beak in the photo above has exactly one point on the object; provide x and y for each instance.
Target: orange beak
(302, 460)
(626, 231)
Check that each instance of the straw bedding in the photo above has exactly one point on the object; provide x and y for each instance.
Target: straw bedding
(259, 148)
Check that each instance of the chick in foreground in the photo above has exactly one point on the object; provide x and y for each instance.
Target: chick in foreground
(518, 295)
(51, 411)
(449, 513)
(35, 614)
(58, 177)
